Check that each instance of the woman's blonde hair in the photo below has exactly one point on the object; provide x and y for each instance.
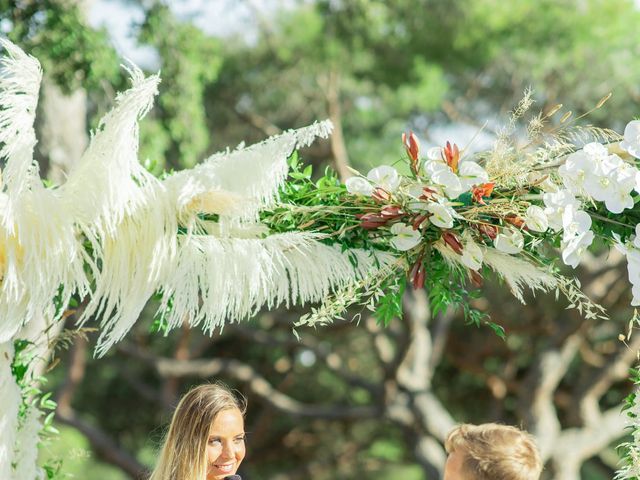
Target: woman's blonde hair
(184, 453)
(495, 452)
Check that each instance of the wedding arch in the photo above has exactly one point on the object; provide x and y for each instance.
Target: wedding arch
(248, 228)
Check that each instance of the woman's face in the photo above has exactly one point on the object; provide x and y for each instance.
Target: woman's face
(225, 448)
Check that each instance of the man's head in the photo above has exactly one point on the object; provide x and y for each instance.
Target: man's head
(491, 452)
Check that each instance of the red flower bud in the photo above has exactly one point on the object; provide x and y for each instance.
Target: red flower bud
(391, 212)
(428, 194)
(451, 240)
(476, 278)
(515, 220)
(380, 195)
(452, 156)
(417, 274)
(412, 146)
(419, 220)
(489, 230)
(371, 221)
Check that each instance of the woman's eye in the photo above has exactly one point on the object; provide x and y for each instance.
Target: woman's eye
(213, 441)
(239, 439)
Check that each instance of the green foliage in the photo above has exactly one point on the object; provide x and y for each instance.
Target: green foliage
(320, 205)
(190, 61)
(389, 306)
(448, 288)
(33, 398)
(74, 448)
(73, 54)
(629, 450)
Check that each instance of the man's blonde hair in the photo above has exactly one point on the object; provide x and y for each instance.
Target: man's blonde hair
(495, 452)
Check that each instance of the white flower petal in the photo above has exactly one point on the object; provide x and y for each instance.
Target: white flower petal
(470, 174)
(574, 222)
(405, 237)
(385, 176)
(631, 142)
(535, 219)
(574, 249)
(441, 215)
(358, 186)
(511, 242)
(618, 201)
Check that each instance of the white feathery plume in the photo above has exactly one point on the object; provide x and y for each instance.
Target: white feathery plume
(108, 182)
(518, 273)
(10, 400)
(250, 174)
(134, 261)
(219, 279)
(42, 260)
(39, 249)
(20, 76)
(452, 258)
(121, 209)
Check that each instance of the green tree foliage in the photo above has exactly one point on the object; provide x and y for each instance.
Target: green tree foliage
(189, 62)
(73, 54)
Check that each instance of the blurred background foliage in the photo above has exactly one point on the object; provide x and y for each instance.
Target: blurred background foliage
(352, 401)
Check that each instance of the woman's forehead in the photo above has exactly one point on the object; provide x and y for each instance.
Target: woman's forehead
(227, 420)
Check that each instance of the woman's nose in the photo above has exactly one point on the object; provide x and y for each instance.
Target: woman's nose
(228, 451)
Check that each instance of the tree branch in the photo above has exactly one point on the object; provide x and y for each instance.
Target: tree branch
(256, 383)
(542, 417)
(338, 146)
(105, 446)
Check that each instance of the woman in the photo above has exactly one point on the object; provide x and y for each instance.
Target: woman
(206, 436)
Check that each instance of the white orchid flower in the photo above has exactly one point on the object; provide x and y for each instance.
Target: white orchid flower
(574, 249)
(626, 175)
(511, 242)
(405, 237)
(636, 238)
(631, 142)
(635, 291)
(555, 205)
(535, 219)
(574, 222)
(385, 176)
(618, 201)
(600, 187)
(633, 265)
(441, 215)
(578, 166)
(359, 186)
